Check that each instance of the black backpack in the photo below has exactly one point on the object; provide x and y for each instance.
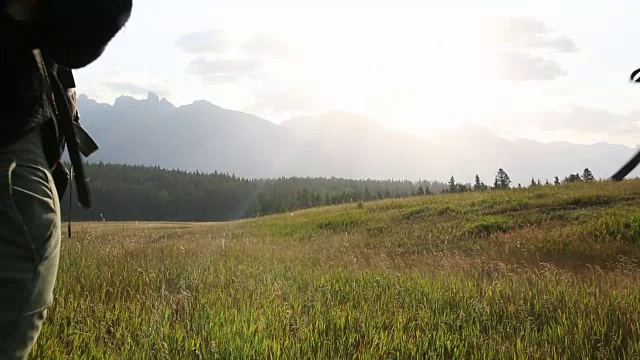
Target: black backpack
(62, 129)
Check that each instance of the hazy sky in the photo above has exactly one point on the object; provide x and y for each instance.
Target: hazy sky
(547, 70)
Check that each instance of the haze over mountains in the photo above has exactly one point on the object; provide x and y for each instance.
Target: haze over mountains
(205, 137)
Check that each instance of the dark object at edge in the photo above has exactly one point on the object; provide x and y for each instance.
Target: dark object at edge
(627, 168)
(633, 75)
(635, 160)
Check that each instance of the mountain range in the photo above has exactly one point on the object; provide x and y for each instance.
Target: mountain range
(205, 137)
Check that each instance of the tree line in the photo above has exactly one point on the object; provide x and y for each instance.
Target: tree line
(151, 193)
(503, 181)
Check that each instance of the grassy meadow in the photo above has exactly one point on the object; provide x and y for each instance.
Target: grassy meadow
(546, 272)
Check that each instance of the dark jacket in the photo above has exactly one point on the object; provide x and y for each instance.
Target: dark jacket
(70, 33)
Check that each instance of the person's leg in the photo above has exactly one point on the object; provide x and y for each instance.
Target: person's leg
(29, 247)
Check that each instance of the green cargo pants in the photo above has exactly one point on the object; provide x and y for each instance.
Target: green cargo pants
(30, 237)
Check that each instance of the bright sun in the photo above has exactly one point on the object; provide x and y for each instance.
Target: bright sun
(407, 64)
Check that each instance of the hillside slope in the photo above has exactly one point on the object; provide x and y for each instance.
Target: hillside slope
(572, 225)
(548, 272)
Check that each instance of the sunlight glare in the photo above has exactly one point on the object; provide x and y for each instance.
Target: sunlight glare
(431, 64)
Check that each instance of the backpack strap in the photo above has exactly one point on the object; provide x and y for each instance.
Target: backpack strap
(59, 105)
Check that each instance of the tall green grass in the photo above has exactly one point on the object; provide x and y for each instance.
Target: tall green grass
(549, 272)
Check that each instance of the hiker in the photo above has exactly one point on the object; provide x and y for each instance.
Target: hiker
(41, 42)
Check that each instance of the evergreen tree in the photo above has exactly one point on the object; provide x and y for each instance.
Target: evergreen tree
(556, 181)
(420, 191)
(502, 180)
(452, 185)
(367, 194)
(587, 175)
(479, 185)
(572, 178)
(533, 182)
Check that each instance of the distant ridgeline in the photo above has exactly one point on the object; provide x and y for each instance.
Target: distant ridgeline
(128, 192)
